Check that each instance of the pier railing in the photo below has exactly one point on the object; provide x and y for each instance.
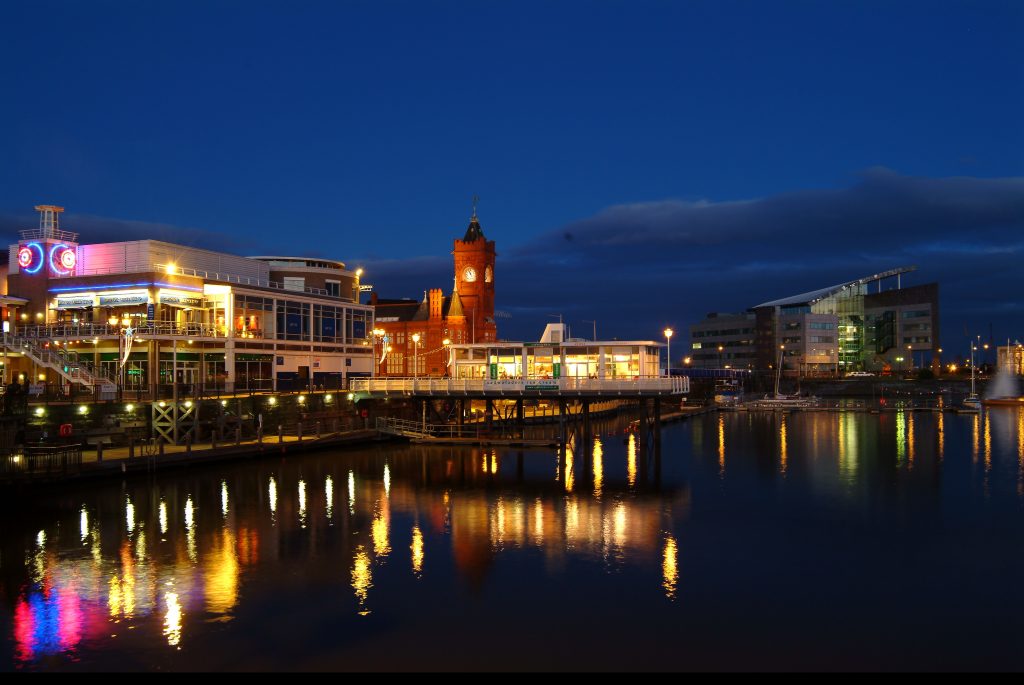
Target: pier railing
(676, 385)
(43, 460)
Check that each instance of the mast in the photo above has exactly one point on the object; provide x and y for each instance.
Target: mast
(778, 371)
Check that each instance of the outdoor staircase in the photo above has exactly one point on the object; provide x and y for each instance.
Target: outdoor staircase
(68, 366)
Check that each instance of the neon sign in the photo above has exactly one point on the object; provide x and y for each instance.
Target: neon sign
(62, 259)
(31, 257)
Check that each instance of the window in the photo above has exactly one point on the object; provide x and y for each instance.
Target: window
(292, 320)
(328, 323)
(333, 288)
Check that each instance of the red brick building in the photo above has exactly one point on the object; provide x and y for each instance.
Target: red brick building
(465, 316)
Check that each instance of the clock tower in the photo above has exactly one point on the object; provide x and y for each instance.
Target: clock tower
(474, 281)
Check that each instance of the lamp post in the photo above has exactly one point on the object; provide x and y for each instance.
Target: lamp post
(668, 362)
(720, 348)
(378, 337)
(910, 358)
(447, 356)
(415, 354)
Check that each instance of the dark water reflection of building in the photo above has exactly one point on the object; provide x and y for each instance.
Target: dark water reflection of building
(173, 554)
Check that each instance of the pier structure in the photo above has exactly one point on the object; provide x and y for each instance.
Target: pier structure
(563, 375)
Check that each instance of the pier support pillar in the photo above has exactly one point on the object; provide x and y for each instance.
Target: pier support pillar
(521, 417)
(586, 420)
(657, 425)
(461, 404)
(642, 436)
(489, 416)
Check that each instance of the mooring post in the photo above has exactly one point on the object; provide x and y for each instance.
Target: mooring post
(99, 450)
(317, 430)
(238, 436)
(280, 433)
(131, 448)
(298, 430)
(188, 443)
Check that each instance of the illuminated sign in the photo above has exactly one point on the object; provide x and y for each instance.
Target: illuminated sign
(77, 302)
(31, 258)
(180, 299)
(62, 259)
(123, 299)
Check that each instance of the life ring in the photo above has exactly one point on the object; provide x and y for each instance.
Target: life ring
(65, 430)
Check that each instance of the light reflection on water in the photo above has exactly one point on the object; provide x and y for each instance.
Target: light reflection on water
(84, 581)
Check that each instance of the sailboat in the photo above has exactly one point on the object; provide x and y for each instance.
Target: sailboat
(970, 405)
(780, 401)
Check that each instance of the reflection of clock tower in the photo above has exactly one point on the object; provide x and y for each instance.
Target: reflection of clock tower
(474, 279)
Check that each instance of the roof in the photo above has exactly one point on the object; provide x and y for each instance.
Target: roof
(818, 295)
(473, 232)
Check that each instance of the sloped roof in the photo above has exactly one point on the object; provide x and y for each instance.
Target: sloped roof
(473, 232)
(818, 295)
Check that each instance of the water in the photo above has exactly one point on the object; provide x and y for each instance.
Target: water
(757, 541)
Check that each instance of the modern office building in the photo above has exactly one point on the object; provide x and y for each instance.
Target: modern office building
(833, 330)
(722, 341)
(411, 337)
(137, 315)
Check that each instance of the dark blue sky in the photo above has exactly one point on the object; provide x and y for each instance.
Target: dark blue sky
(641, 163)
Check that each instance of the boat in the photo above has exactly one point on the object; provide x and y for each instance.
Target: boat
(972, 403)
(780, 402)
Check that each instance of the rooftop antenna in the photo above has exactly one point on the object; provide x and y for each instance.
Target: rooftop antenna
(476, 198)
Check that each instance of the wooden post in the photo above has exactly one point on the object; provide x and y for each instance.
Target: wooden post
(99, 449)
(298, 431)
(188, 443)
(238, 436)
(280, 433)
(586, 422)
(259, 436)
(657, 425)
(161, 448)
(317, 430)
(131, 448)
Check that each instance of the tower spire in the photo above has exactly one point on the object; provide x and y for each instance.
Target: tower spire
(476, 198)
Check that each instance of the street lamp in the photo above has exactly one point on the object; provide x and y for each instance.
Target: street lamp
(415, 354)
(448, 355)
(910, 357)
(720, 348)
(379, 337)
(668, 362)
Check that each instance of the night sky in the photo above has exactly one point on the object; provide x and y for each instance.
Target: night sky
(638, 163)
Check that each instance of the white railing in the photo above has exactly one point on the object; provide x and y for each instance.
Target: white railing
(244, 280)
(676, 385)
(66, 364)
(98, 330)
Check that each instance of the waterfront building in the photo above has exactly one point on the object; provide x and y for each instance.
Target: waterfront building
(147, 315)
(830, 331)
(723, 341)
(1010, 357)
(411, 337)
(554, 357)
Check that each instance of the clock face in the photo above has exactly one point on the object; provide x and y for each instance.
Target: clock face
(488, 275)
(469, 274)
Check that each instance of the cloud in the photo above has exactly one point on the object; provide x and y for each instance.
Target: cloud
(97, 229)
(640, 266)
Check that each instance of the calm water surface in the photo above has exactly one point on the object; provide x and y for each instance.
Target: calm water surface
(797, 541)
